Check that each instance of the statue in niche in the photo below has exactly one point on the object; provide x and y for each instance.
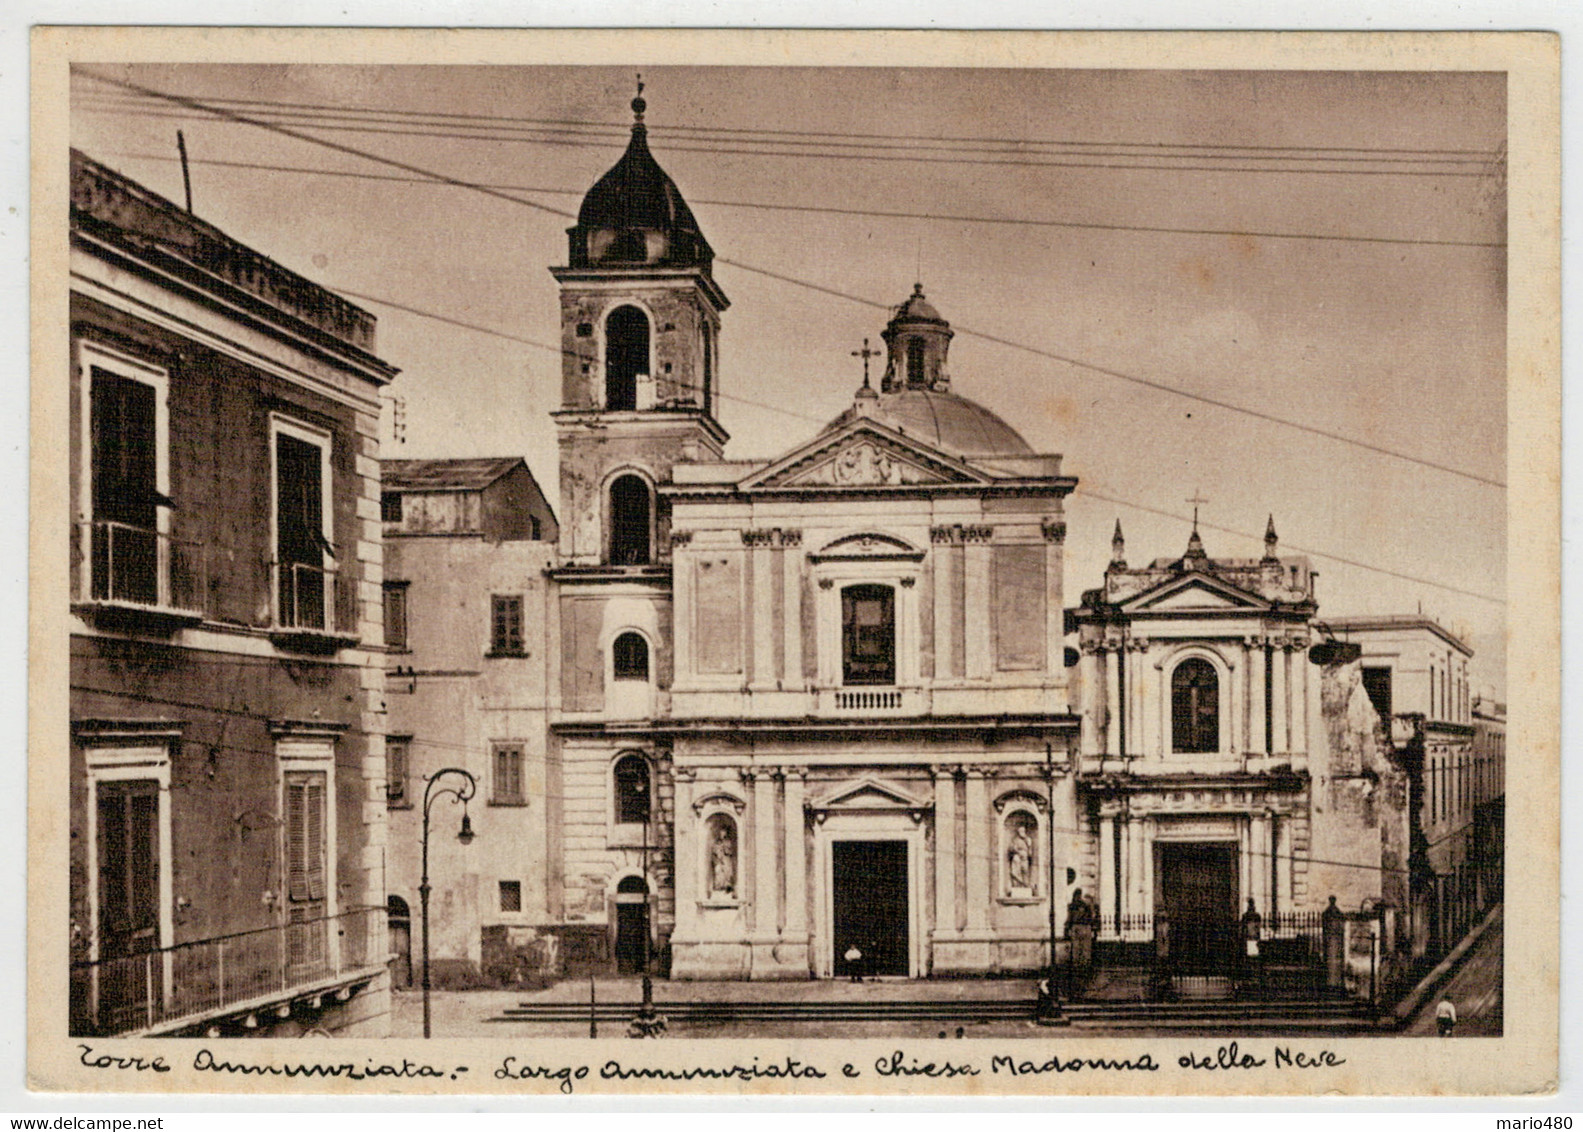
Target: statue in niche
(1019, 852)
(722, 859)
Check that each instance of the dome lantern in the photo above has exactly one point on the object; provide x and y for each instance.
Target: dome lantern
(918, 339)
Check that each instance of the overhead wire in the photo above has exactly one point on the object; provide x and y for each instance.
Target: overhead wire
(888, 214)
(822, 289)
(888, 136)
(957, 158)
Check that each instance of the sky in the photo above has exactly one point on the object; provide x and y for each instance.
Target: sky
(1316, 259)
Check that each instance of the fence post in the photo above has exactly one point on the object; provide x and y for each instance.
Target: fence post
(1333, 928)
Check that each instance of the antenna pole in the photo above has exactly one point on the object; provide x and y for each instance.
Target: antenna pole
(186, 174)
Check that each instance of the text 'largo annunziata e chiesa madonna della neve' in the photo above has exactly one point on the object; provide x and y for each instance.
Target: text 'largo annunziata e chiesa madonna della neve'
(821, 715)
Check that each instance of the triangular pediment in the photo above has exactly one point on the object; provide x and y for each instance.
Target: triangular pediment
(867, 794)
(1195, 593)
(862, 453)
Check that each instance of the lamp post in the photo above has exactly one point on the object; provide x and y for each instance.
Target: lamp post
(461, 792)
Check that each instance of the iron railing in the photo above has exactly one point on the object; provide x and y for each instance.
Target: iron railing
(310, 598)
(127, 565)
(868, 699)
(204, 978)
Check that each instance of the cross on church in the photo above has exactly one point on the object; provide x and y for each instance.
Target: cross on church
(1195, 499)
(865, 353)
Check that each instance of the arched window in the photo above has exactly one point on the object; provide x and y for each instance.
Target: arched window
(629, 522)
(1195, 707)
(868, 635)
(632, 789)
(626, 356)
(629, 656)
(915, 350)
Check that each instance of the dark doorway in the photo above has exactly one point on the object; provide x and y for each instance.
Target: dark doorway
(399, 915)
(632, 926)
(131, 977)
(1196, 893)
(870, 907)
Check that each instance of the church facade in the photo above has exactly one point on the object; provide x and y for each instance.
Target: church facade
(812, 710)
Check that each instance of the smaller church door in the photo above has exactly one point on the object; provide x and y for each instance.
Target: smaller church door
(1196, 892)
(869, 907)
(632, 926)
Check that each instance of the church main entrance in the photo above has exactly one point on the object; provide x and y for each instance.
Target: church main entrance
(1196, 894)
(869, 901)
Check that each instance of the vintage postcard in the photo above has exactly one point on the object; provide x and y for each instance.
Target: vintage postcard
(820, 563)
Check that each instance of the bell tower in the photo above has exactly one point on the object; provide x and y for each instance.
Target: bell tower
(640, 334)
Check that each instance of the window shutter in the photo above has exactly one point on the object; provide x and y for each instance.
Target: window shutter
(124, 454)
(316, 870)
(296, 839)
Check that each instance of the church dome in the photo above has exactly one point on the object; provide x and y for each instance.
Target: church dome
(944, 420)
(636, 214)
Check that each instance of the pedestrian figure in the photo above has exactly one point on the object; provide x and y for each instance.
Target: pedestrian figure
(1446, 1017)
(854, 962)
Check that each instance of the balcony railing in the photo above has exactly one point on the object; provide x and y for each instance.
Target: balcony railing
(310, 598)
(867, 699)
(207, 978)
(122, 565)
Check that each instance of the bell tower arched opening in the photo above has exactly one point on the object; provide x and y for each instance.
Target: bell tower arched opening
(626, 357)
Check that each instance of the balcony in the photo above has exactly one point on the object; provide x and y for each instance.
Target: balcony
(132, 577)
(869, 701)
(303, 966)
(314, 608)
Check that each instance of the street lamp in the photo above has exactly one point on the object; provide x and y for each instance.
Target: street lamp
(461, 792)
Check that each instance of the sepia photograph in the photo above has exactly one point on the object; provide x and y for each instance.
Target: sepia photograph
(675, 546)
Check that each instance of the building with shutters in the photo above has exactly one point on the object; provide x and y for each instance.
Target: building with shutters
(226, 756)
(467, 547)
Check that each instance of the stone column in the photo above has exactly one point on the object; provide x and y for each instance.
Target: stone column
(1135, 871)
(765, 884)
(1300, 660)
(1281, 899)
(1107, 865)
(796, 858)
(975, 561)
(941, 578)
(944, 853)
(1255, 682)
(1093, 702)
(1110, 661)
(791, 599)
(686, 864)
(976, 807)
(762, 605)
(1280, 738)
(1259, 853)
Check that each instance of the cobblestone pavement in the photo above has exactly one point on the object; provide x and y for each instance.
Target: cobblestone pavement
(1474, 988)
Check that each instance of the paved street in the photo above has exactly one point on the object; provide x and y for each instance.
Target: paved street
(1475, 989)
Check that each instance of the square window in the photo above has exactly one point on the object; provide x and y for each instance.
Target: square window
(390, 506)
(506, 786)
(505, 636)
(398, 750)
(396, 616)
(511, 896)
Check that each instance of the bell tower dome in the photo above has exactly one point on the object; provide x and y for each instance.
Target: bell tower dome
(640, 340)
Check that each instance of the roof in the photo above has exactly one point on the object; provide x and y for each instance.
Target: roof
(473, 474)
(1397, 622)
(945, 420)
(112, 206)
